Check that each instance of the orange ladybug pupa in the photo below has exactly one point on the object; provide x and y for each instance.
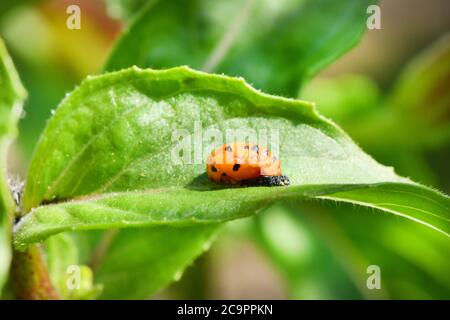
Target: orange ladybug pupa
(245, 163)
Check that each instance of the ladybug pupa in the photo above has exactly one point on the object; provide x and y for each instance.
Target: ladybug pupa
(245, 164)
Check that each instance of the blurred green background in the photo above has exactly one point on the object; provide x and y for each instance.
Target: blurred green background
(390, 93)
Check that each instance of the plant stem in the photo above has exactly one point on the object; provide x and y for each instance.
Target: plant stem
(102, 248)
(30, 278)
(29, 273)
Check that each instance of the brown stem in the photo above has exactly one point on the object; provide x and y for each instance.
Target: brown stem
(30, 278)
(29, 274)
(102, 248)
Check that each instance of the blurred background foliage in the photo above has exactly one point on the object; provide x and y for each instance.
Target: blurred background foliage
(391, 94)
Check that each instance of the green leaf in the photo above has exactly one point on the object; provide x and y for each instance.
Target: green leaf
(180, 206)
(124, 9)
(12, 95)
(201, 33)
(413, 201)
(323, 253)
(108, 149)
(7, 5)
(276, 46)
(421, 99)
(346, 99)
(61, 252)
(154, 258)
(297, 242)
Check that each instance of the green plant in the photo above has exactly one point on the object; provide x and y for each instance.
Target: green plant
(104, 159)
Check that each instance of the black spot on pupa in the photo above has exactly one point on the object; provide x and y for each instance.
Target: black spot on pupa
(214, 169)
(228, 149)
(247, 147)
(236, 167)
